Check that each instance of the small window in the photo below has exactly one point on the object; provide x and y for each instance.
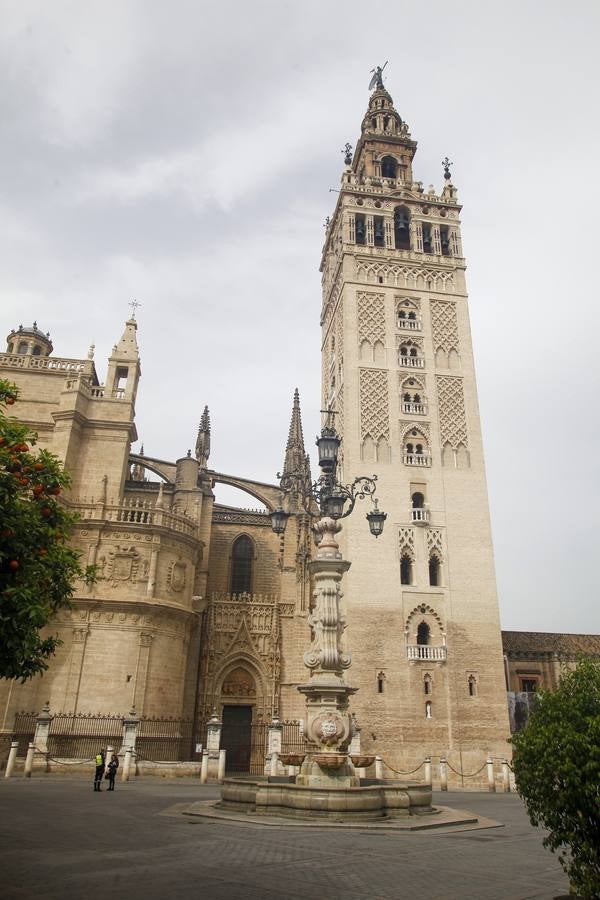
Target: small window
(418, 500)
(389, 166)
(529, 685)
(428, 714)
(402, 228)
(241, 565)
(406, 569)
(380, 683)
(472, 686)
(427, 245)
(434, 570)
(423, 634)
(23, 347)
(360, 229)
(445, 240)
(37, 350)
(378, 236)
(427, 684)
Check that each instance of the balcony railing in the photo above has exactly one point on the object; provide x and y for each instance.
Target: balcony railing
(417, 459)
(412, 362)
(134, 511)
(409, 324)
(417, 409)
(420, 516)
(424, 651)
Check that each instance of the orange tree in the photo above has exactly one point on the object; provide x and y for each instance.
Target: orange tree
(37, 567)
(557, 769)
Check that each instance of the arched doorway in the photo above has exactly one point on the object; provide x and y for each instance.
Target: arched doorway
(238, 696)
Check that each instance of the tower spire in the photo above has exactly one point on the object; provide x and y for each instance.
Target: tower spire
(203, 440)
(296, 458)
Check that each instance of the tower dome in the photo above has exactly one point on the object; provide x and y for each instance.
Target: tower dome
(28, 340)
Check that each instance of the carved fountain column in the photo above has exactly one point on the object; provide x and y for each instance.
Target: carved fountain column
(329, 726)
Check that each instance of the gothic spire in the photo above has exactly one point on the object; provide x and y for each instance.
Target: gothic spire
(296, 458)
(203, 441)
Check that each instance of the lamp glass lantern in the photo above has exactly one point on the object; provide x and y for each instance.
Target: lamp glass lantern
(279, 519)
(333, 504)
(328, 444)
(376, 519)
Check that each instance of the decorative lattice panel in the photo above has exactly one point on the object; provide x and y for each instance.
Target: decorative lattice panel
(371, 318)
(419, 427)
(435, 543)
(406, 542)
(451, 407)
(374, 404)
(444, 325)
(405, 276)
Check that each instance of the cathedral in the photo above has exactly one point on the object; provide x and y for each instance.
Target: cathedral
(200, 608)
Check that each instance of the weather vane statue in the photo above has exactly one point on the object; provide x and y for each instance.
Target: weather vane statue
(377, 77)
(134, 306)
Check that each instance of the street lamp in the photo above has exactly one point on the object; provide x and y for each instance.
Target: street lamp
(279, 519)
(376, 519)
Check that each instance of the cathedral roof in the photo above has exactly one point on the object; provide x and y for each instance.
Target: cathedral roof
(523, 642)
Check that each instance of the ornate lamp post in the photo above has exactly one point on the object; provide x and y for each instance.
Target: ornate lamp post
(329, 727)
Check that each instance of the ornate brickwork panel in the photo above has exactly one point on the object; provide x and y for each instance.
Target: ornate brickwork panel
(435, 542)
(406, 542)
(451, 405)
(374, 404)
(420, 427)
(371, 317)
(416, 277)
(444, 325)
(242, 645)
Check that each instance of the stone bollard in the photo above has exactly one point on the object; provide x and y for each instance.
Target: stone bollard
(204, 767)
(428, 770)
(490, 775)
(443, 774)
(378, 768)
(130, 729)
(126, 765)
(29, 760)
(221, 771)
(274, 764)
(10, 763)
(505, 776)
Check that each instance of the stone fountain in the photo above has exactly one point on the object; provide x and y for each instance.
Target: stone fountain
(327, 786)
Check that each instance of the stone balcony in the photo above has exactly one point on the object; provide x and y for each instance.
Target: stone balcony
(134, 512)
(420, 516)
(411, 362)
(409, 324)
(426, 652)
(417, 459)
(415, 409)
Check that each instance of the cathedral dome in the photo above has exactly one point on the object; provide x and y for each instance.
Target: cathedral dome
(28, 340)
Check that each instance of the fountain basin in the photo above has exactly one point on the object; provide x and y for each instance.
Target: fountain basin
(292, 759)
(362, 762)
(340, 804)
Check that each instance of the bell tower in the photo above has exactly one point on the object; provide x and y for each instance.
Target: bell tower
(398, 371)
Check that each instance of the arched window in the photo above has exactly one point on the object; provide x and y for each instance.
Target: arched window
(242, 555)
(402, 228)
(428, 709)
(427, 244)
(427, 683)
(472, 686)
(423, 634)
(434, 570)
(378, 234)
(359, 223)
(403, 350)
(23, 347)
(406, 569)
(389, 166)
(418, 500)
(380, 683)
(37, 350)
(445, 240)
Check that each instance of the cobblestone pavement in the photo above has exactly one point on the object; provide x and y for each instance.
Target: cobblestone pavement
(59, 839)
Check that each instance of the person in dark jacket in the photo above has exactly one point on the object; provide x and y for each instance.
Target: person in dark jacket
(111, 773)
(100, 759)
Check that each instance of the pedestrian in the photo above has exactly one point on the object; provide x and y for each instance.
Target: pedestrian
(100, 758)
(112, 771)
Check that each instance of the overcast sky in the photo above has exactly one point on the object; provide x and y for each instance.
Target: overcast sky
(182, 153)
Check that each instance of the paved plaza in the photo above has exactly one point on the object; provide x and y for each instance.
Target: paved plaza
(59, 839)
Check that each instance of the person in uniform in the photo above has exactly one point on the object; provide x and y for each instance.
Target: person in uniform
(99, 770)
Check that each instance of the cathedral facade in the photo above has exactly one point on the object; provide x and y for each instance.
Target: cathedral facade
(200, 607)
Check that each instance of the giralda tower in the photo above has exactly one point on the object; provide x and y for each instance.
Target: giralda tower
(397, 364)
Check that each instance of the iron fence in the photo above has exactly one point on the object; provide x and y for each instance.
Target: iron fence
(292, 737)
(24, 730)
(165, 740)
(82, 736)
